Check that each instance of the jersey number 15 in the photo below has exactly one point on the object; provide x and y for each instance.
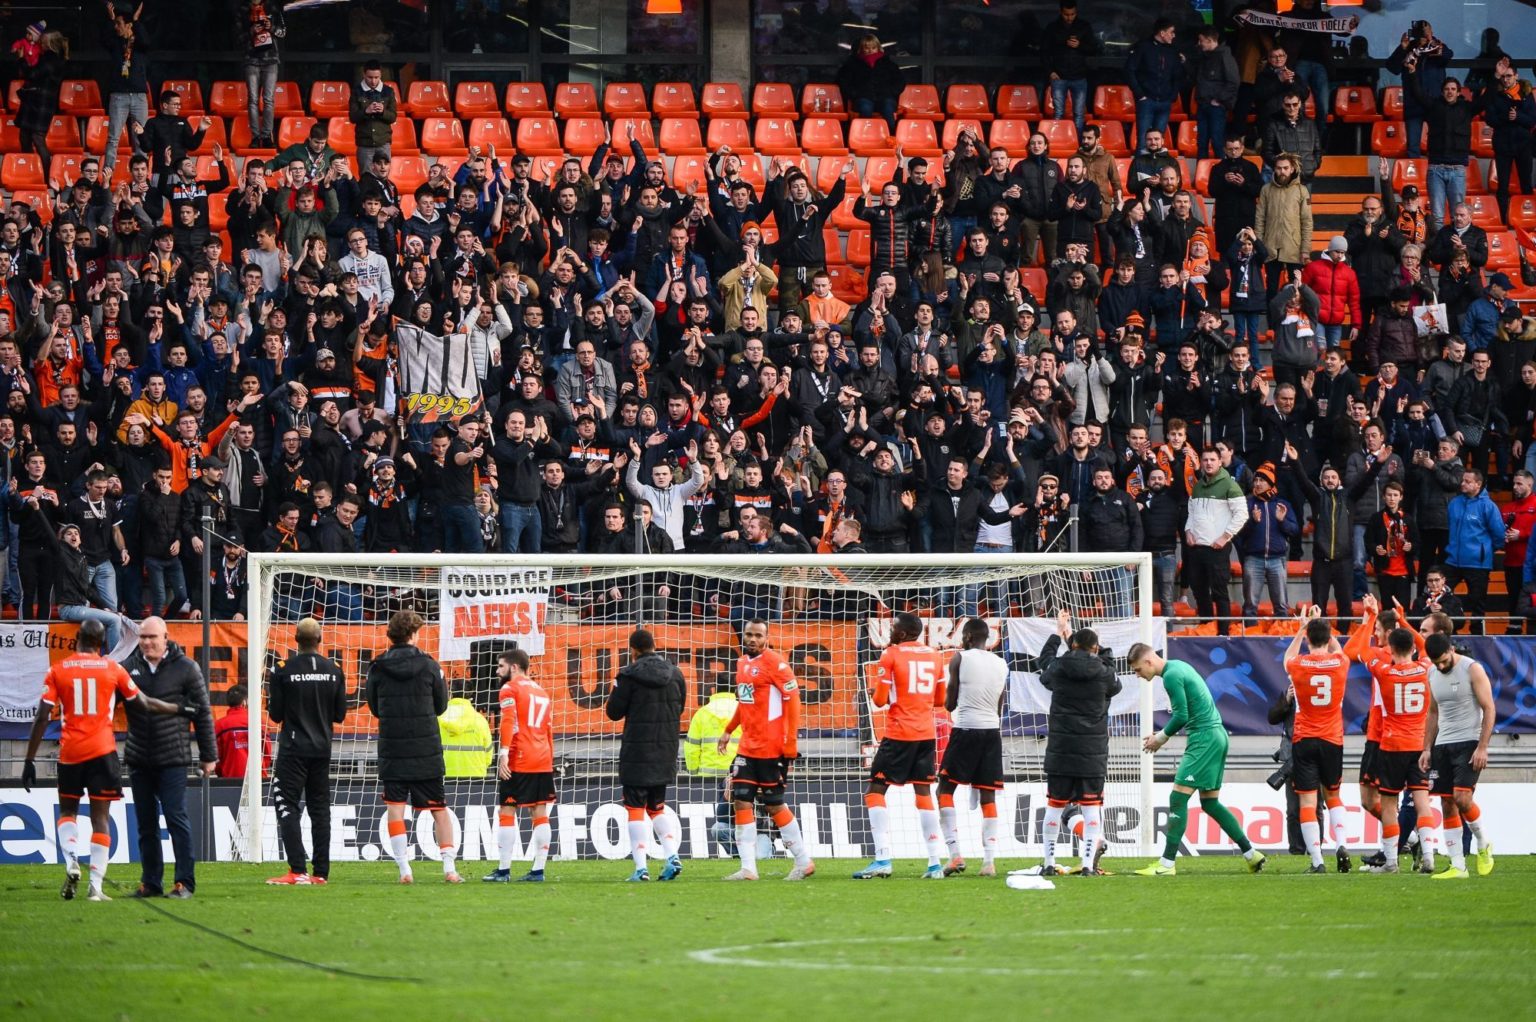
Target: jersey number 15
(920, 677)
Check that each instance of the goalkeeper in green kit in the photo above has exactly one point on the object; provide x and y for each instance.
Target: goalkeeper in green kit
(1204, 760)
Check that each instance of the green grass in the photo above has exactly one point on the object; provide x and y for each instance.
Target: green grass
(1213, 941)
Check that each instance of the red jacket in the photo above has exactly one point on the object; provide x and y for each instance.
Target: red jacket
(1524, 513)
(233, 735)
(1338, 291)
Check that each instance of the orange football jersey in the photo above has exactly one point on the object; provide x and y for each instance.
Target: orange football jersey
(1319, 680)
(767, 699)
(911, 681)
(526, 727)
(1360, 648)
(85, 689)
(1404, 703)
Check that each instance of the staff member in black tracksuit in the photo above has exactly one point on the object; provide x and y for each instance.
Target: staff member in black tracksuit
(307, 696)
(158, 756)
(1081, 684)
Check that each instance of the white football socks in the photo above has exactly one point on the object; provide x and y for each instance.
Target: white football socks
(1052, 832)
(880, 831)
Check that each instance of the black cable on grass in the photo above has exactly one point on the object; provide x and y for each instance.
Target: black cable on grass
(247, 945)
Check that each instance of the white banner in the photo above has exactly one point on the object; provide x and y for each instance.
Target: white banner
(27, 650)
(492, 603)
(1027, 636)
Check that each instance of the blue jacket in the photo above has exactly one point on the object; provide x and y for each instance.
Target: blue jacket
(1269, 536)
(1155, 71)
(1477, 530)
(661, 267)
(1480, 324)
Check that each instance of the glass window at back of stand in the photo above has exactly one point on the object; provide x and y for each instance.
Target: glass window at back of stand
(586, 27)
(830, 27)
(487, 26)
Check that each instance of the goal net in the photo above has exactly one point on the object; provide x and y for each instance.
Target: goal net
(829, 616)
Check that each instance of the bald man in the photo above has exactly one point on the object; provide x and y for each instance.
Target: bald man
(158, 755)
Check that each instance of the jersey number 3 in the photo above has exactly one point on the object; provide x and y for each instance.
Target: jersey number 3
(1322, 690)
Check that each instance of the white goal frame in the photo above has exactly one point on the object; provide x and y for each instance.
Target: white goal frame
(262, 567)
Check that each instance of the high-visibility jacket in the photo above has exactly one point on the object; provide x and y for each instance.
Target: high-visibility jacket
(466, 734)
(704, 730)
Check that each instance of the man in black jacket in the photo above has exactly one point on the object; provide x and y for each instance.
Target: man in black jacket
(307, 697)
(648, 696)
(1111, 524)
(405, 690)
(1235, 184)
(1081, 684)
(1449, 119)
(157, 756)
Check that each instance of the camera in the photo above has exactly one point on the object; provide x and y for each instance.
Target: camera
(1277, 779)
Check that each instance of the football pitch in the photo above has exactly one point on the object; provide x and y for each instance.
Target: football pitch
(1213, 941)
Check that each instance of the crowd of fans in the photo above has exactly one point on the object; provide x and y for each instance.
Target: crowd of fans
(646, 351)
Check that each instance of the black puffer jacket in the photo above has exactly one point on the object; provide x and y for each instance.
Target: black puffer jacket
(405, 690)
(648, 698)
(156, 740)
(1081, 686)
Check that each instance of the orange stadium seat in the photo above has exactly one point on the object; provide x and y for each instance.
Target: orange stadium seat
(1062, 135)
(443, 136)
(402, 137)
(644, 133)
(576, 99)
(625, 99)
(476, 99)
(38, 200)
(1522, 212)
(341, 136)
(870, 136)
(292, 130)
(286, 100)
(64, 135)
(1112, 138)
(776, 136)
(723, 99)
(20, 171)
(917, 138)
(728, 131)
(408, 173)
(1503, 251)
(1012, 135)
(1188, 140)
(688, 168)
(228, 99)
(674, 99)
(215, 135)
(1410, 172)
(823, 99)
(830, 168)
(427, 99)
(1475, 185)
(1114, 103)
(1050, 106)
(848, 283)
(921, 102)
(680, 135)
(968, 101)
(1389, 138)
(240, 138)
(1482, 140)
(823, 136)
(1018, 102)
(329, 99)
(526, 99)
(858, 248)
(191, 94)
(583, 135)
(10, 136)
(81, 97)
(1485, 211)
(1392, 102)
(64, 170)
(486, 132)
(774, 99)
(879, 170)
(1355, 105)
(832, 241)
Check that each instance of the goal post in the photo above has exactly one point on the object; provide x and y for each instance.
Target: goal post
(829, 615)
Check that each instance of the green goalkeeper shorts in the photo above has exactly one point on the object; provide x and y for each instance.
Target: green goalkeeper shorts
(1204, 760)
